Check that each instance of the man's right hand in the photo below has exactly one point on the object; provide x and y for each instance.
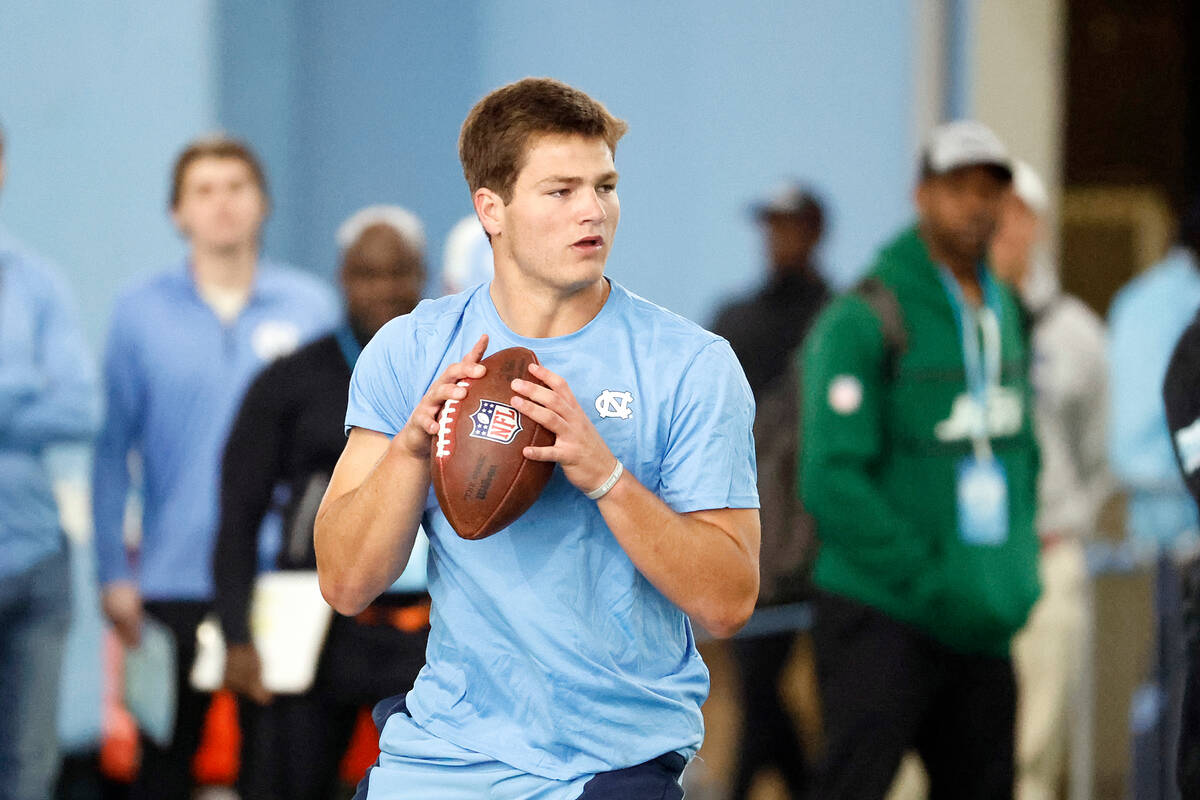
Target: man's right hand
(122, 604)
(243, 673)
(414, 436)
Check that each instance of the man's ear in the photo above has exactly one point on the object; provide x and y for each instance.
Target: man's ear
(178, 222)
(920, 196)
(489, 207)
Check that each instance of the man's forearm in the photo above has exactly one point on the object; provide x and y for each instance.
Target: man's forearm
(364, 537)
(709, 572)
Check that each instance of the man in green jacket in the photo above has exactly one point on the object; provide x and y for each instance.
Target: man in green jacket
(920, 467)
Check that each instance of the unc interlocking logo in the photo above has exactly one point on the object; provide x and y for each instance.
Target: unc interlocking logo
(495, 422)
(614, 404)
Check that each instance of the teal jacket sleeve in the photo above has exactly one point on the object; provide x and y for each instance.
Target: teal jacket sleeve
(843, 393)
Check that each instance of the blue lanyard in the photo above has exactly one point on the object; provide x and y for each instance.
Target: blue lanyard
(981, 355)
(348, 342)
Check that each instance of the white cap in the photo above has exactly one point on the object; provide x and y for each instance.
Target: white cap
(401, 220)
(1029, 188)
(468, 256)
(965, 143)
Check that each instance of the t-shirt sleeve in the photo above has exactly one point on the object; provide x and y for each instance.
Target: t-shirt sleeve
(709, 459)
(379, 400)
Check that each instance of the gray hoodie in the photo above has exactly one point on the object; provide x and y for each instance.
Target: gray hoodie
(1070, 379)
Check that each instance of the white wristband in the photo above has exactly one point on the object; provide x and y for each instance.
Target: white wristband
(604, 488)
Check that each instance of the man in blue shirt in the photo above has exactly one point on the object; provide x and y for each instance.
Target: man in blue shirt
(182, 348)
(561, 660)
(1146, 320)
(47, 395)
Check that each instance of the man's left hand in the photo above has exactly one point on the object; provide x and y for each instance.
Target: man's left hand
(578, 447)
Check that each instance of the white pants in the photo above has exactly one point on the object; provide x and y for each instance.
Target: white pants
(1049, 656)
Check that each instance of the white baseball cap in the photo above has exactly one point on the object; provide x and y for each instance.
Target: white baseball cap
(1029, 188)
(964, 143)
(467, 258)
(401, 220)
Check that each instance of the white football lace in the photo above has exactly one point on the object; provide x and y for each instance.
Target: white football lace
(445, 424)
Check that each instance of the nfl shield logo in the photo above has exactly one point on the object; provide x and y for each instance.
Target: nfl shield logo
(495, 422)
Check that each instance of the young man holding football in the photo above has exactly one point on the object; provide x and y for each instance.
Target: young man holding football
(561, 661)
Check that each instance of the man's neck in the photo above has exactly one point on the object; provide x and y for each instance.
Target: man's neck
(539, 312)
(228, 269)
(965, 271)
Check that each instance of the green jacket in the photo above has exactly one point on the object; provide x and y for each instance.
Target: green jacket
(881, 445)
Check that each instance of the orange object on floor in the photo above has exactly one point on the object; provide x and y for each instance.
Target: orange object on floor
(363, 749)
(217, 759)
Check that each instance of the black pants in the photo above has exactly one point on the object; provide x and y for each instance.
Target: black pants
(1187, 761)
(166, 773)
(292, 748)
(886, 688)
(769, 737)
(657, 779)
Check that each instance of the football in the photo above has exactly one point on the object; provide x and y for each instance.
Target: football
(482, 479)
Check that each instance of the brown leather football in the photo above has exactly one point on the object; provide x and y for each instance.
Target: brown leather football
(482, 479)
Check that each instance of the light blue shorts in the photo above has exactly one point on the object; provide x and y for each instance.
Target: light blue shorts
(434, 769)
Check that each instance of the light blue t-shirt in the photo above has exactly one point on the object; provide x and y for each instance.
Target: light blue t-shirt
(549, 651)
(1145, 320)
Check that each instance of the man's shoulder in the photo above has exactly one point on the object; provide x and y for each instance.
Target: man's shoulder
(290, 283)
(432, 316)
(737, 312)
(307, 361)
(423, 333)
(1173, 278)
(851, 309)
(319, 351)
(642, 314)
(35, 269)
(1070, 316)
(138, 293)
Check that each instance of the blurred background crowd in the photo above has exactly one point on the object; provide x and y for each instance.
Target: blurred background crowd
(162, 286)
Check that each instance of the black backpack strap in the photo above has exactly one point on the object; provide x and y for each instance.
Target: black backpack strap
(882, 300)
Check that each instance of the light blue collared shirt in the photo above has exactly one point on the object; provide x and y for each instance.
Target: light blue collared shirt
(1145, 321)
(47, 396)
(174, 377)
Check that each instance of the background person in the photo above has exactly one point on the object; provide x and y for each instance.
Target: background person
(467, 256)
(182, 348)
(1070, 381)
(764, 331)
(561, 656)
(1145, 321)
(48, 395)
(289, 432)
(920, 468)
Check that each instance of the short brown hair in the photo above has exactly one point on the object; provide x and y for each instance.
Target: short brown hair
(216, 146)
(496, 134)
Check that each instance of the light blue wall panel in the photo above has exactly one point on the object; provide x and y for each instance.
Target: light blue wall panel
(97, 97)
(723, 100)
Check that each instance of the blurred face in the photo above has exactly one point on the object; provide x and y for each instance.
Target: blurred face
(959, 210)
(382, 276)
(221, 207)
(1012, 245)
(791, 238)
(558, 228)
